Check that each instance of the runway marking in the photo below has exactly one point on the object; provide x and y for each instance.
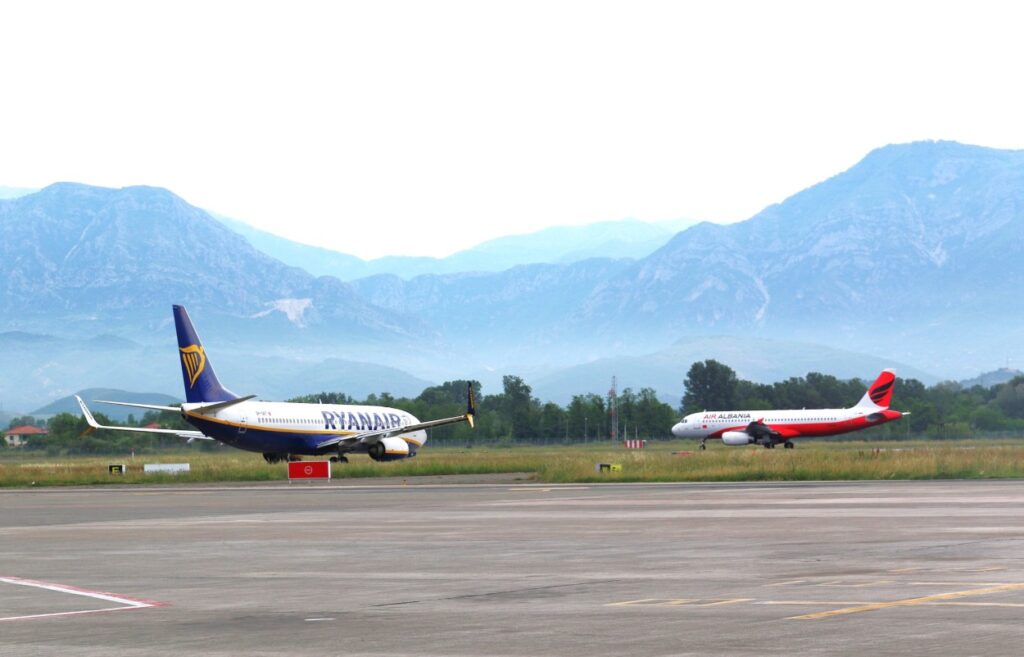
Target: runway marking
(827, 603)
(126, 602)
(726, 602)
(908, 602)
(678, 602)
(635, 602)
(545, 489)
(317, 620)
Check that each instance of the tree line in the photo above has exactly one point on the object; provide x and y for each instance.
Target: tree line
(515, 415)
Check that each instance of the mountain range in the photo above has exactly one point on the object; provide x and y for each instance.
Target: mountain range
(560, 244)
(68, 404)
(913, 256)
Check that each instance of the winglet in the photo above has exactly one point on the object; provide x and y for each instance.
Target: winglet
(90, 420)
(471, 407)
(88, 416)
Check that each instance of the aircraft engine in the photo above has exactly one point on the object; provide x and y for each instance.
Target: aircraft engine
(389, 449)
(737, 438)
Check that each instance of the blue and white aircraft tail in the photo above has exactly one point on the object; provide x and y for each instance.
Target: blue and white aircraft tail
(201, 383)
(283, 430)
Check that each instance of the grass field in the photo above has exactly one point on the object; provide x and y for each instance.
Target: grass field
(668, 461)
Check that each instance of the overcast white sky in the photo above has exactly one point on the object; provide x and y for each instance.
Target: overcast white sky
(420, 128)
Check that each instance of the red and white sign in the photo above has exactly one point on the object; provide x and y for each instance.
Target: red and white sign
(309, 470)
(636, 444)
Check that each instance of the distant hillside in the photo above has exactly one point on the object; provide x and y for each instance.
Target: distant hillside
(80, 260)
(759, 360)
(42, 367)
(917, 253)
(116, 413)
(914, 255)
(994, 378)
(561, 244)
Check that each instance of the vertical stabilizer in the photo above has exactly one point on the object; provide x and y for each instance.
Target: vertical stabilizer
(879, 395)
(201, 384)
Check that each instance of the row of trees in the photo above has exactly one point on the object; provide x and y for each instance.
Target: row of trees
(515, 414)
(945, 410)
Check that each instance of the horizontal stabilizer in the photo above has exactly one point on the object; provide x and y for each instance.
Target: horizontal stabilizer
(152, 407)
(216, 406)
(191, 435)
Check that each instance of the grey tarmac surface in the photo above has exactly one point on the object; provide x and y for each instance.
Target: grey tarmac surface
(875, 568)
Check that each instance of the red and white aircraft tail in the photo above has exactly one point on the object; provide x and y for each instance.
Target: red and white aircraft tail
(879, 395)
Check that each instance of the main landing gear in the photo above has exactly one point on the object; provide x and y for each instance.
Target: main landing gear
(271, 457)
(788, 444)
(339, 459)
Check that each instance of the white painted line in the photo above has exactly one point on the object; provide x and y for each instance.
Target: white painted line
(126, 602)
(318, 620)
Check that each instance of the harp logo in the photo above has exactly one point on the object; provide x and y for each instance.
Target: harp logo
(193, 358)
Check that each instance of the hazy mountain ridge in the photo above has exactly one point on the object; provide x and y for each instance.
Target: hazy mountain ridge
(925, 230)
(754, 359)
(914, 255)
(503, 310)
(626, 238)
(993, 378)
(49, 368)
(118, 258)
(68, 404)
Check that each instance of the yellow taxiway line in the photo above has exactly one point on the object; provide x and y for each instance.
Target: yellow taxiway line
(909, 602)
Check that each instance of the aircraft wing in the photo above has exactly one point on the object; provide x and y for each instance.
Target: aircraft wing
(191, 435)
(759, 429)
(371, 437)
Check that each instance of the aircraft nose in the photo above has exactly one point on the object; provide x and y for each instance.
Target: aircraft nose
(678, 429)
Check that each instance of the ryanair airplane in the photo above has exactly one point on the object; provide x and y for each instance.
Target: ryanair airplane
(280, 430)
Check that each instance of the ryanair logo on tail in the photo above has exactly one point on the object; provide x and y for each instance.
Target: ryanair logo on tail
(194, 359)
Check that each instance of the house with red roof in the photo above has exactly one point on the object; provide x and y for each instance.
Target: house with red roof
(17, 436)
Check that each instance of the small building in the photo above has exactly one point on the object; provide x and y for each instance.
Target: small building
(17, 436)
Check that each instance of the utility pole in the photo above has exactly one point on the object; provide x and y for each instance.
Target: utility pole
(613, 410)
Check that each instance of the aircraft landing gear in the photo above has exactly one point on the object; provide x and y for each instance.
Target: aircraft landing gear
(788, 444)
(702, 445)
(339, 459)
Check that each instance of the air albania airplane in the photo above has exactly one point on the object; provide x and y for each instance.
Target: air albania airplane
(282, 430)
(769, 428)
